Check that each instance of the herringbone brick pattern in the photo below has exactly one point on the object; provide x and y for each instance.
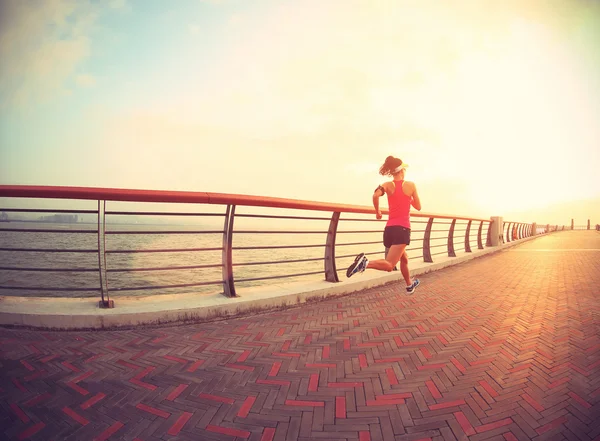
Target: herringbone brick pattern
(505, 347)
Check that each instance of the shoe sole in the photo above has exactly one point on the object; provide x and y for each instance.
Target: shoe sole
(352, 267)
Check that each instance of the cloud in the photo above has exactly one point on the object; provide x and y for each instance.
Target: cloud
(41, 46)
(85, 80)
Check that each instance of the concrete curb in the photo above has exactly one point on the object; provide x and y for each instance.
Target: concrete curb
(49, 313)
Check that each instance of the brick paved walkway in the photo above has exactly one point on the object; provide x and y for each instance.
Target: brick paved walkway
(504, 347)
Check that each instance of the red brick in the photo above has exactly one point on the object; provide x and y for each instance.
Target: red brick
(244, 356)
(228, 431)
(580, 400)
(533, 403)
(391, 375)
(92, 400)
(433, 390)
(268, 434)
(109, 432)
(275, 369)
(153, 410)
(81, 420)
(340, 407)
(464, 423)
(17, 410)
(176, 392)
(195, 365)
(177, 359)
(494, 425)
(551, 425)
(364, 435)
(176, 428)
(488, 388)
(446, 404)
(245, 409)
(30, 431)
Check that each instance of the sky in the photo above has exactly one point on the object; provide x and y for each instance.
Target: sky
(495, 105)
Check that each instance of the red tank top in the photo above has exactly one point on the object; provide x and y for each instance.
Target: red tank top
(399, 206)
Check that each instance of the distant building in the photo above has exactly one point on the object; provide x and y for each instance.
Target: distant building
(60, 218)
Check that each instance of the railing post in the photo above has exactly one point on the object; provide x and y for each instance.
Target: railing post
(508, 231)
(572, 224)
(533, 231)
(479, 242)
(104, 302)
(331, 274)
(496, 231)
(467, 237)
(588, 224)
(427, 242)
(228, 283)
(451, 252)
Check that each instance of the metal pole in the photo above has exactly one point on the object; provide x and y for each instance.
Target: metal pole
(330, 268)
(427, 242)
(228, 282)
(467, 237)
(451, 252)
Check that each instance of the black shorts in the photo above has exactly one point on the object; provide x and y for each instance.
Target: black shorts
(396, 235)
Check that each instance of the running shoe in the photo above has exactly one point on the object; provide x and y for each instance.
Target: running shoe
(358, 266)
(410, 289)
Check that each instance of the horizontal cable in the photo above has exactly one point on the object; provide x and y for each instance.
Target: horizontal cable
(169, 250)
(362, 220)
(279, 261)
(267, 216)
(45, 210)
(357, 243)
(166, 232)
(164, 268)
(272, 247)
(181, 285)
(12, 268)
(160, 213)
(374, 252)
(279, 277)
(277, 232)
(437, 246)
(49, 250)
(39, 288)
(35, 230)
(361, 231)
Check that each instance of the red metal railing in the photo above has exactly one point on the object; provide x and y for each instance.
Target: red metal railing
(426, 223)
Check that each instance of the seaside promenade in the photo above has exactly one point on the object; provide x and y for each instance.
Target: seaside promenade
(503, 347)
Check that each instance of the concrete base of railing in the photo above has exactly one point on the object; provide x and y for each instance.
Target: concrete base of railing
(69, 313)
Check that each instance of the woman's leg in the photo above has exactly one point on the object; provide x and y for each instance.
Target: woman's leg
(387, 264)
(404, 268)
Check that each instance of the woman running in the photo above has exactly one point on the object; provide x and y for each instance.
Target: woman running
(401, 195)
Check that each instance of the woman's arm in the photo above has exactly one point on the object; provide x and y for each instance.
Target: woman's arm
(379, 191)
(415, 201)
